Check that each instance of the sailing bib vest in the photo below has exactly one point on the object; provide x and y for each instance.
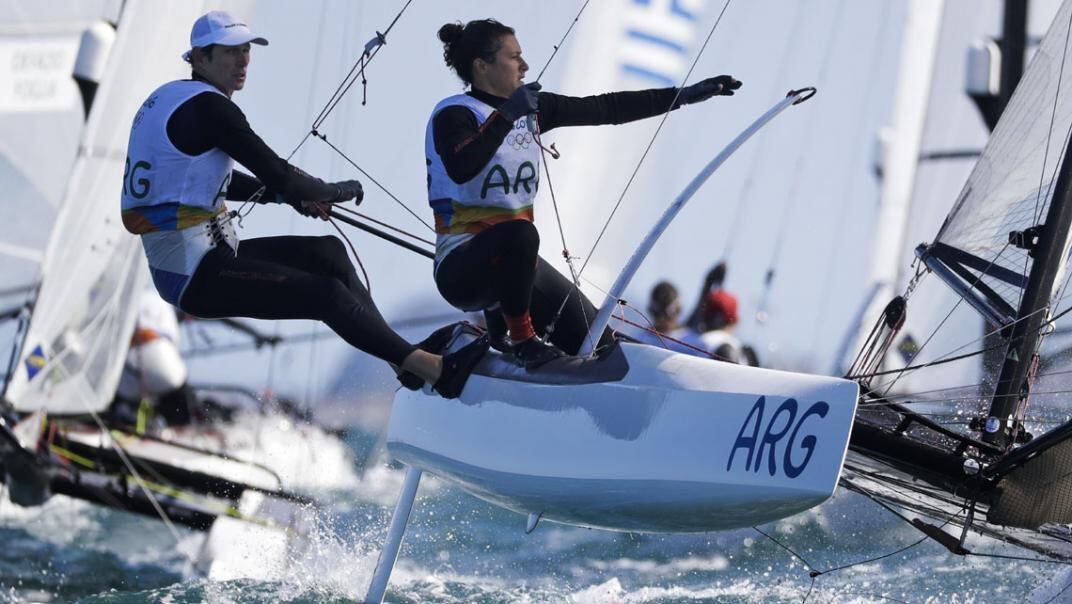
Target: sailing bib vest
(713, 340)
(503, 190)
(174, 200)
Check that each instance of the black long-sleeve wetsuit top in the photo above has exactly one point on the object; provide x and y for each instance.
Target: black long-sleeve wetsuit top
(209, 120)
(466, 147)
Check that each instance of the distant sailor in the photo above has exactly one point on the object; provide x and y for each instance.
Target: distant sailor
(183, 145)
(720, 319)
(664, 310)
(154, 372)
(483, 174)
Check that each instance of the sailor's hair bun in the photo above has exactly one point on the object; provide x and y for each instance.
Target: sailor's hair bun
(462, 45)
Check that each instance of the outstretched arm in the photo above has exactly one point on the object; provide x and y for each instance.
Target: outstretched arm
(621, 107)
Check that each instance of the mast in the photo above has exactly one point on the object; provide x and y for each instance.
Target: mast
(1012, 48)
(1003, 423)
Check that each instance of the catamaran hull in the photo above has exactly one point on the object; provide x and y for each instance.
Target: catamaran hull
(662, 442)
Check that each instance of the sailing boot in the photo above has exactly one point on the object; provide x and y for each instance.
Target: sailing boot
(534, 352)
(493, 318)
(434, 343)
(458, 365)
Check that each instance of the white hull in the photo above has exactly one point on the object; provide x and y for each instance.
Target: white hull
(665, 443)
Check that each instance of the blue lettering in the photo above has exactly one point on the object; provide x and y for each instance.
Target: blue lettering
(749, 442)
(770, 438)
(138, 189)
(762, 442)
(808, 443)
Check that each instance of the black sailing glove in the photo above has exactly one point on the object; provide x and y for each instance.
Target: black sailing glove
(348, 189)
(523, 101)
(722, 85)
(313, 209)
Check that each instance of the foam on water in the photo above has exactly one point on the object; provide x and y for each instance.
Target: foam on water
(459, 549)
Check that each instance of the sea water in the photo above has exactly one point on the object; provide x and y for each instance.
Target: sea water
(460, 549)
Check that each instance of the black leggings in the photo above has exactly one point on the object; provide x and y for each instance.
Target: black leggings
(501, 264)
(290, 277)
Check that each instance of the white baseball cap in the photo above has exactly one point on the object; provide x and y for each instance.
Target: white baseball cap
(220, 27)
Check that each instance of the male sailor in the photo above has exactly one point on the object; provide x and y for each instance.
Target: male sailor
(483, 173)
(184, 142)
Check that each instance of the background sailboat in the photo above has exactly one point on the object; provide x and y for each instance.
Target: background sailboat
(82, 316)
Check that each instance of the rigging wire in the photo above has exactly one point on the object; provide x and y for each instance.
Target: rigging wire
(978, 279)
(761, 314)
(947, 359)
(764, 137)
(1045, 158)
(563, 40)
(324, 138)
(534, 126)
(651, 143)
(815, 573)
(825, 291)
(372, 48)
(1049, 132)
(142, 484)
(389, 227)
(578, 274)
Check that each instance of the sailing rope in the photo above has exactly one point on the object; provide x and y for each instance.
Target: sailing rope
(907, 294)
(534, 126)
(815, 573)
(368, 218)
(563, 40)
(949, 359)
(371, 49)
(632, 177)
(142, 484)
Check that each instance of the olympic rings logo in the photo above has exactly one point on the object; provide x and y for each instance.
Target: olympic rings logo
(519, 141)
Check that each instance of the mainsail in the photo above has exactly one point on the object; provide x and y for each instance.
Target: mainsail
(986, 239)
(41, 120)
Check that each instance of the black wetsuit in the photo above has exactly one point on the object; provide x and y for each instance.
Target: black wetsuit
(283, 277)
(501, 263)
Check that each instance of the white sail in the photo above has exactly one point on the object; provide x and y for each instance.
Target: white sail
(92, 270)
(1011, 186)
(41, 121)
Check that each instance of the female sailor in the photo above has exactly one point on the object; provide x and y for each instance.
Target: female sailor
(483, 173)
(184, 142)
